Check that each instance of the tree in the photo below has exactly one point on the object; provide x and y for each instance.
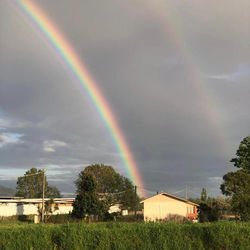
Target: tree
(242, 160)
(204, 194)
(237, 184)
(49, 209)
(223, 204)
(113, 186)
(87, 202)
(31, 185)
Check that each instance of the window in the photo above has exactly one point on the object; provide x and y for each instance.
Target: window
(190, 210)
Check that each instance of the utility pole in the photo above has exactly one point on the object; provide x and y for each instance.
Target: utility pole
(43, 205)
(43, 189)
(135, 200)
(186, 193)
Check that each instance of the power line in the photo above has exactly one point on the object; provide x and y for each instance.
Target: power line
(148, 191)
(194, 192)
(116, 193)
(178, 191)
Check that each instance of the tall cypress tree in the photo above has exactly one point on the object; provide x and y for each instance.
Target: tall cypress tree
(204, 194)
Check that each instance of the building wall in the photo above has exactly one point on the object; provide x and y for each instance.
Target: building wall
(114, 209)
(27, 209)
(10, 209)
(64, 209)
(160, 206)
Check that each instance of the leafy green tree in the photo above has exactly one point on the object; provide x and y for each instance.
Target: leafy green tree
(87, 202)
(242, 160)
(204, 194)
(113, 186)
(52, 192)
(31, 185)
(223, 203)
(237, 184)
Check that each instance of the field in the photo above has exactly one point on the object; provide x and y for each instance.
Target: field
(221, 235)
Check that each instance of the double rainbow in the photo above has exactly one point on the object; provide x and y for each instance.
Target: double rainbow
(67, 54)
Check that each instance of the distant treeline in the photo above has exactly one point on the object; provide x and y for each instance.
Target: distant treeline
(5, 191)
(219, 235)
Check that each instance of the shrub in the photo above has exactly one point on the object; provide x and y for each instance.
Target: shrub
(117, 235)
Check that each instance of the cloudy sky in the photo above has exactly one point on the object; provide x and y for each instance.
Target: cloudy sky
(175, 73)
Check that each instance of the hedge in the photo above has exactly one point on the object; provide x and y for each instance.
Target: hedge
(220, 235)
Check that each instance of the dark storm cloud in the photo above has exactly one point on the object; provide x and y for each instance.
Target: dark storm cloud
(145, 78)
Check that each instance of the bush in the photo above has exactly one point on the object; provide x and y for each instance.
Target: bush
(219, 235)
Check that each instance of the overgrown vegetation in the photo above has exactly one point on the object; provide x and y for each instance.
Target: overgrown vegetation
(220, 235)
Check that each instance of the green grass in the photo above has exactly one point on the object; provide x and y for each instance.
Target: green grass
(221, 235)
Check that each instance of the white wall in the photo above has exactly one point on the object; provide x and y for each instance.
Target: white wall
(27, 209)
(114, 209)
(10, 209)
(63, 210)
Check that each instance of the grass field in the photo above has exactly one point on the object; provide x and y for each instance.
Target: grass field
(221, 235)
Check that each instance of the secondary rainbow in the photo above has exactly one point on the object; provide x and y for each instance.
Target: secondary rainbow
(170, 23)
(67, 54)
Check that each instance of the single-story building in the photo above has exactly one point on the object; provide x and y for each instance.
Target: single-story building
(10, 206)
(162, 205)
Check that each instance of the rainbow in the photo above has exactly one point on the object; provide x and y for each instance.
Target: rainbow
(69, 57)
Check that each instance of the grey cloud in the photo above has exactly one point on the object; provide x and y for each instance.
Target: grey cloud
(145, 77)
